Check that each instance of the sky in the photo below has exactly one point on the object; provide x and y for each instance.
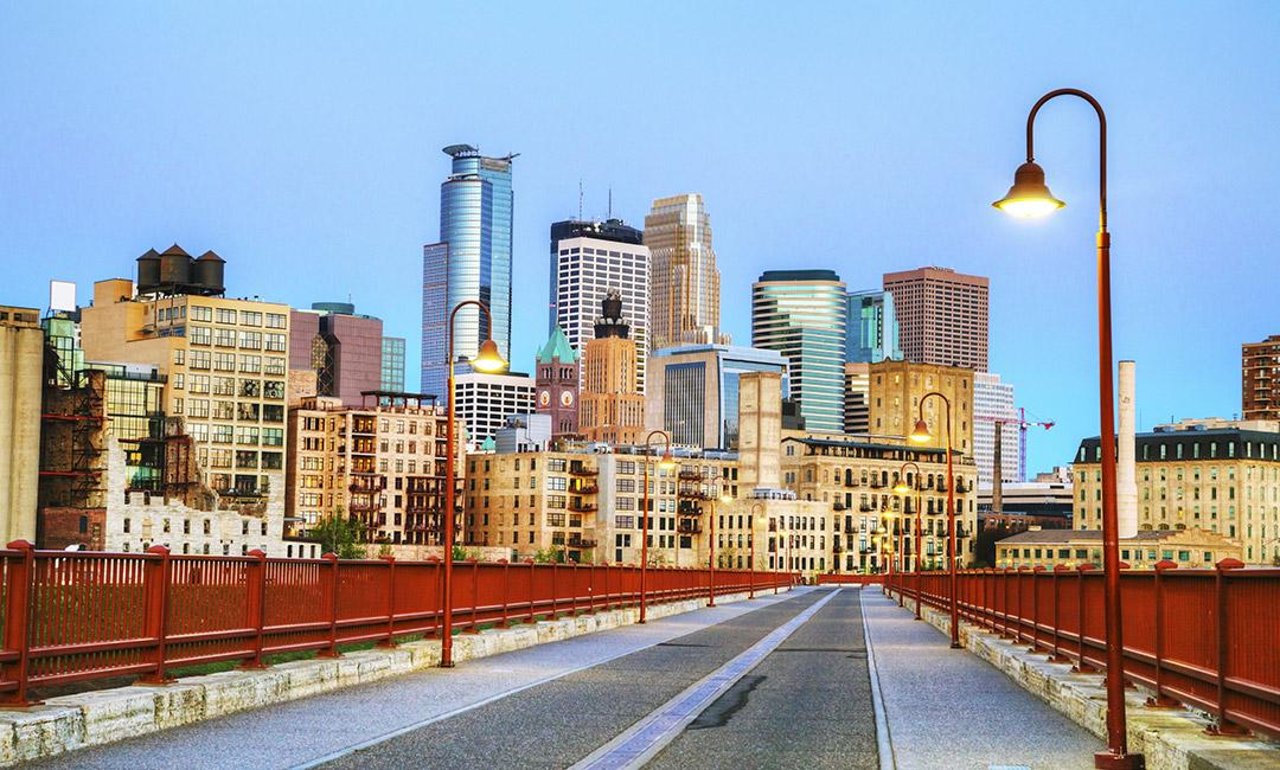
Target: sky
(301, 141)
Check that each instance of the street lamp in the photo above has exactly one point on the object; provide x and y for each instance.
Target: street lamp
(751, 543)
(723, 497)
(921, 435)
(489, 361)
(1030, 197)
(901, 488)
(667, 462)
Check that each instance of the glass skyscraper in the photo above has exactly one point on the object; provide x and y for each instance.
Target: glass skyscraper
(802, 315)
(871, 328)
(471, 261)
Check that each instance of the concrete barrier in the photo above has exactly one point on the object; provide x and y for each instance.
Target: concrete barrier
(1168, 738)
(71, 722)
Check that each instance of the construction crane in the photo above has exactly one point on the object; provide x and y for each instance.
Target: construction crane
(997, 471)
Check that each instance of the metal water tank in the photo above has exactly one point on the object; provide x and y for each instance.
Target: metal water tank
(148, 271)
(209, 270)
(175, 266)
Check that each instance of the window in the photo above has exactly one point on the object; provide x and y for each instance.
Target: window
(251, 340)
(275, 321)
(226, 315)
(250, 318)
(201, 313)
(200, 335)
(276, 342)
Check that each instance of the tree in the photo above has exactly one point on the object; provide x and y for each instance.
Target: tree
(338, 535)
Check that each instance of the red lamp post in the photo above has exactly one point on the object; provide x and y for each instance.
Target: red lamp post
(901, 488)
(1030, 197)
(751, 543)
(666, 463)
(921, 436)
(489, 360)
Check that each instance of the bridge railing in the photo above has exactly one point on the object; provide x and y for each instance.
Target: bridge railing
(1204, 638)
(849, 580)
(78, 616)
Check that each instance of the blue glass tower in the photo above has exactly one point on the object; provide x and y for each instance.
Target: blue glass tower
(871, 328)
(471, 261)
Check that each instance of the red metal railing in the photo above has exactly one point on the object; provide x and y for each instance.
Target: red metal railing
(69, 617)
(1204, 638)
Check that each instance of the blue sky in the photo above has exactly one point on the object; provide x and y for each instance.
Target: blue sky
(302, 142)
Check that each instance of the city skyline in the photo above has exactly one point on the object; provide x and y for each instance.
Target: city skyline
(327, 206)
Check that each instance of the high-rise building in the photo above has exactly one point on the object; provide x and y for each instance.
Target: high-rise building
(857, 398)
(343, 349)
(684, 283)
(897, 390)
(942, 316)
(22, 364)
(693, 393)
(587, 260)
(612, 407)
(1260, 379)
(801, 314)
(557, 378)
(485, 401)
(993, 402)
(871, 328)
(472, 260)
(393, 364)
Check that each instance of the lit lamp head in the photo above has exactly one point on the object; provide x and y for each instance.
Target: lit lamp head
(667, 462)
(901, 488)
(1029, 198)
(488, 360)
(920, 434)
(725, 499)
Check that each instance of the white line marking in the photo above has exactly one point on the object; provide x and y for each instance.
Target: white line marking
(644, 739)
(393, 734)
(884, 741)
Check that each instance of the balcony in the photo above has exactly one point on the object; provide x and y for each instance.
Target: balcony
(850, 530)
(580, 542)
(690, 476)
(578, 506)
(837, 506)
(689, 528)
(582, 472)
(866, 508)
(836, 547)
(584, 489)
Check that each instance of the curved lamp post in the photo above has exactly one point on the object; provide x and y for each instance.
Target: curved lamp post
(751, 543)
(920, 435)
(722, 496)
(489, 361)
(1029, 197)
(901, 488)
(666, 463)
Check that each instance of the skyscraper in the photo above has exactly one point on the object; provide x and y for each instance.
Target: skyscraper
(694, 392)
(684, 288)
(393, 364)
(612, 406)
(1259, 376)
(587, 260)
(871, 328)
(471, 261)
(558, 382)
(993, 401)
(942, 316)
(802, 315)
(342, 348)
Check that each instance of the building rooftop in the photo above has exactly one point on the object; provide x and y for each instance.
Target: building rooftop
(799, 275)
(557, 347)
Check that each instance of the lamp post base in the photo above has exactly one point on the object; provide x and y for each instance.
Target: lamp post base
(957, 646)
(1105, 760)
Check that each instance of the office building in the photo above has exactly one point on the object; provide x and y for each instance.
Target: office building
(942, 316)
(802, 314)
(898, 389)
(343, 349)
(379, 465)
(588, 259)
(393, 365)
(1260, 379)
(21, 384)
(684, 282)
(857, 398)
(871, 328)
(612, 407)
(225, 363)
(992, 405)
(694, 390)
(1190, 476)
(471, 261)
(485, 401)
(557, 376)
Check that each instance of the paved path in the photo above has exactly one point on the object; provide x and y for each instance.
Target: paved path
(949, 708)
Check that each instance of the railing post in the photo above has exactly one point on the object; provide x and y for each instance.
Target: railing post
(532, 618)
(331, 599)
(1223, 726)
(554, 591)
(475, 596)
(573, 589)
(256, 603)
(1081, 666)
(21, 574)
(437, 625)
(390, 641)
(1159, 699)
(1035, 606)
(156, 581)
(506, 592)
(1057, 656)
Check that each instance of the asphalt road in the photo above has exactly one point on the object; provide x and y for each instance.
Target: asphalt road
(807, 705)
(761, 721)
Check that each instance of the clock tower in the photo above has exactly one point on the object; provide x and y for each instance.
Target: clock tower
(556, 379)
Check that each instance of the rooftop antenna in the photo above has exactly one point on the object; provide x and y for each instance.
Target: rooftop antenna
(610, 215)
(579, 199)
